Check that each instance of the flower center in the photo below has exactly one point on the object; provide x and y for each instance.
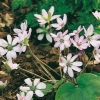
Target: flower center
(62, 25)
(68, 64)
(89, 38)
(95, 52)
(61, 41)
(78, 43)
(10, 47)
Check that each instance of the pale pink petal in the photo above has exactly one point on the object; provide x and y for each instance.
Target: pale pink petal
(29, 33)
(3, 51)
(53, 35)
(3, 43)
(59, 28)
(17, 48)
(24, 88)
(38, 16)
(70, 72)
(62, 64)
(17, 30)
(96, 36)
(76, 68)
(44, 13)
(15, 41)
(59, 21)
(40, 36)
(66, 37)
(55, 25)
(65, 33)
(39, 93)
(9, 38)
(29, 95)
(69, 56)
(81, 38)
(51, 10)
(13, 54)
(90, 30)
(54, 17)
(57, 44)
(65, 69)
(73, 58)
(48, 37)
(65, 19)
(8, 55)
(41, 85)
(63, 59)
(36, 81)
(39, 30)
(77, 63)
(28, 81)
(23, 48)
(67, 44)
(96, 58)
(76, 38)
(62, 46)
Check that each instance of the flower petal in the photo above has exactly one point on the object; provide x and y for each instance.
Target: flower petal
(36, 81)
(9, 38)
(39, 93)
(40, 36)
(28, 81)
(70, 72)
(41, 85)
(44, 13)
(77, 63)
(65, 69)
(51, 10)
(24, 88)
(76, 68)
(65, 19)
(62, 46)
(29, 95)
(39, 30)
(69, 56)
(48, 37)
(73, 58)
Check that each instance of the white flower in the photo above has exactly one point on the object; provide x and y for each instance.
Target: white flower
(36, 86)
(96, 14)
(46, 17)
(96, 53)
(11, 65)
(22, 96)
(69, 64)
(11, 47)
(93, 39)
(44, 31)
(60, 23)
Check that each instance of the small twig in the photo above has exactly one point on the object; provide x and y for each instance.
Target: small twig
(32, 73)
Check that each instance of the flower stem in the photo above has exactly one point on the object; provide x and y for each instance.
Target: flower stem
(32, 73)
(41, 63)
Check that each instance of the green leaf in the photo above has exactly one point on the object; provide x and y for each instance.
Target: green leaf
(58, 83)
(88, 88)
(49, 88)
(68, 91)
(91, 82)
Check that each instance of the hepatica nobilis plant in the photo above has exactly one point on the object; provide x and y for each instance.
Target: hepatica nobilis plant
(74, 82)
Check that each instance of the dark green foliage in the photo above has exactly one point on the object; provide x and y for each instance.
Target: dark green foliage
(79, 12)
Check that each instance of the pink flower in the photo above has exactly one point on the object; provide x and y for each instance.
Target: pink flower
(3, 85)
(76, 31)
(10, 65)
(69, 64)
(11, 47)
(46, 17)
(60, 23)
(61, 40)
(80, 42)
(93, 39)
(96, 53)
(2, 51)
(22, 96)
(22, 30)
(36, 86)
(44, 31)
(96, 14)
